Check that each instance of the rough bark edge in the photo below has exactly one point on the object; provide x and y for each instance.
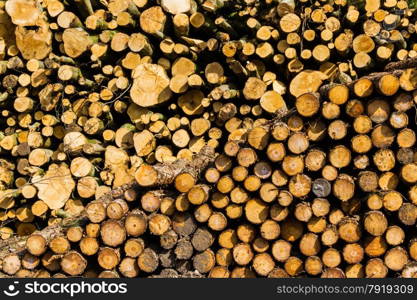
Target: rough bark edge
(374, 77)
(394, 68)
(400, 65)
(200, 161)
(17, 244)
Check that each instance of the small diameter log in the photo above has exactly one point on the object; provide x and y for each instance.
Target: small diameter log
(204, 261)
(135, 223)
(308, 104)
(108, 258)
(375, 223)
(112, 233)
(73, 263)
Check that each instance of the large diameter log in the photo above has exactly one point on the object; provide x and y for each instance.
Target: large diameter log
(34, 43)
(153, 20)
(176, 6)
(150, 85)
(56, 186)
(307, 81)
(76, 41)
(23, 12)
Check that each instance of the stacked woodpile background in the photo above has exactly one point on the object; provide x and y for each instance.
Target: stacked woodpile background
(208, 138)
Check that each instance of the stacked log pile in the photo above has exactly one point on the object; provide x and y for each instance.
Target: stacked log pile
(200, 138)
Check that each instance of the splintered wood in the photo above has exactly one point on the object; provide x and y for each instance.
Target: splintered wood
(202, 138)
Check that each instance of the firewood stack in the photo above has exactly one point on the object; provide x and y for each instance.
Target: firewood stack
(202, 138)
